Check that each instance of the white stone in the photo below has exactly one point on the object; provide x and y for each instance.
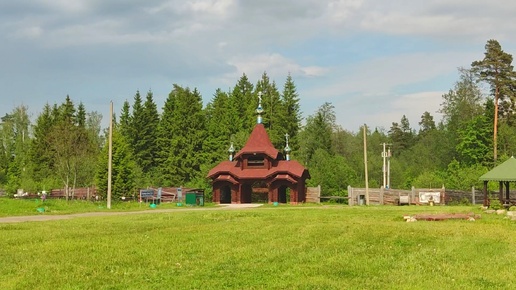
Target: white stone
(500, 211)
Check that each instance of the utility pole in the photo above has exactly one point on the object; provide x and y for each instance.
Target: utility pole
(385, 156)
(365, 166)
(110, 158)
(389, 168)
(384, 168)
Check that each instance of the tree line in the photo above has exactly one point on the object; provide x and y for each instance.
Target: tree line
(66, 147)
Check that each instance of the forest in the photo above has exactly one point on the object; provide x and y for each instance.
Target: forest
(65, 145)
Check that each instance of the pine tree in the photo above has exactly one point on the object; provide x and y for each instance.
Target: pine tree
(401, 135)
(426, 124)
(496, 69)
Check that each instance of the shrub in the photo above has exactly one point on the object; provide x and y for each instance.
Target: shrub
(495, 204)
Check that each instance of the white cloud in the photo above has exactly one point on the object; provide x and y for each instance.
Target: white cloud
(217, 7)
(66, 6)
(381, 76)
(31, 32)
(461, 19)
(212, 42)
(388, 109)
(340, 11)
(276, 66)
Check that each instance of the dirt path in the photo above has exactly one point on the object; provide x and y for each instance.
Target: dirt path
(43, 217)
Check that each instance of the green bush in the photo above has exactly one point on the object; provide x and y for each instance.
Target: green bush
(495, 204)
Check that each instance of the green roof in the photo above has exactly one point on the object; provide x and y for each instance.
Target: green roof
(503, 172)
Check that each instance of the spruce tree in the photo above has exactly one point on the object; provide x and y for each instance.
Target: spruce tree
(80, 117)
(289, 120)
(146, 146)
(40, 153)
(66, 112)
(218, 127)
(272, 109)
(123, 169)
(125, 120)
(317, 134)
(241, 106)
(166, 132)
(187, 132)
(137, 130)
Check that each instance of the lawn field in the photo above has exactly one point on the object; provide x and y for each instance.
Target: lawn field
(285, 247)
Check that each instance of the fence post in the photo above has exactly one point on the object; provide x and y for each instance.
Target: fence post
(350, 196)
(381, 195)
(413, 197)
(473, 201)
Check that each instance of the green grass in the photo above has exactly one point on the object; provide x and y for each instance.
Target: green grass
(324, 247)
(22, 207)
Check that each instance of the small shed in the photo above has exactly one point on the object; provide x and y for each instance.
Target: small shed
(504, 174)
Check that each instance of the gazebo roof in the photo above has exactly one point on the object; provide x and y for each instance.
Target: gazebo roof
(503, 172)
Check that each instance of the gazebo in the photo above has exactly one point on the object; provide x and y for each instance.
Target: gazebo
(504, 174)
(259, 168)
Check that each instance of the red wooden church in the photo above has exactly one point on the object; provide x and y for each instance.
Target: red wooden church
(259, 167)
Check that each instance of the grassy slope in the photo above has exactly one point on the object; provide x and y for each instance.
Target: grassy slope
(270, 248)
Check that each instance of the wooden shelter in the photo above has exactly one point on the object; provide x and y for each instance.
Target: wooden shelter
(259, 168)
(504, 174)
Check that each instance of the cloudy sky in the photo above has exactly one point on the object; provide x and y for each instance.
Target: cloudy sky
(374, 60)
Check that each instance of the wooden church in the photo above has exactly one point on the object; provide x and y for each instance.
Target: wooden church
(259, 167)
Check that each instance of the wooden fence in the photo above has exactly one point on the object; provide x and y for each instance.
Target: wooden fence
(84, 193)
(168, 194)
(382, 196)
(475, 196)
(313, 194)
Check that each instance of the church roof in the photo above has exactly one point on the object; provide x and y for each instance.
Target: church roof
(258, 142)
(292, 168)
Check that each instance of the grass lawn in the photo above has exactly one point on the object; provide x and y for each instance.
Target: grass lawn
(23, 207)
(285, 247)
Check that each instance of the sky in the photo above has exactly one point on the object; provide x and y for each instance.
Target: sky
(373, 60)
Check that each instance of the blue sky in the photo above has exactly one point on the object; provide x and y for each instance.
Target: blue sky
(375, 61)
